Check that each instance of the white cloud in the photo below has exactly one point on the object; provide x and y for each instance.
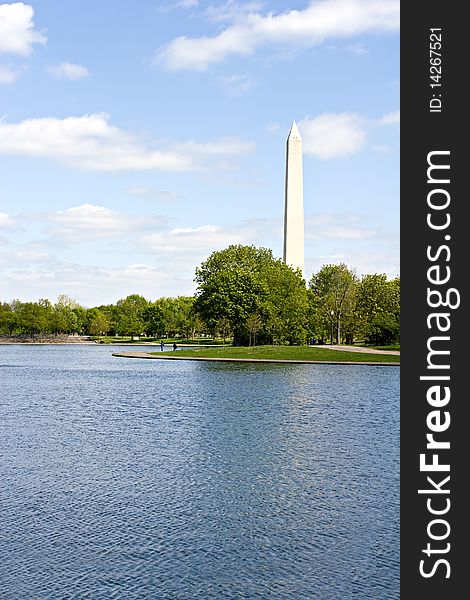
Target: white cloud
(90, 222)
(30, 253)
(17, 33)
(68, 71)
(390, 118)
(333, 135)
(91, 142)
(232, 11)
(6, 222)
(321, 20)
(91, 285)
(194, 242)
(7, 75)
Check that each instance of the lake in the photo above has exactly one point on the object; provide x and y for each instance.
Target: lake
(127, 478)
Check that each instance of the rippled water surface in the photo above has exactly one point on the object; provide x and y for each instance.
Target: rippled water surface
(125, 478)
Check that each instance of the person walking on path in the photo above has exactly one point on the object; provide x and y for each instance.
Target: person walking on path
(161, 345)
(174, 346)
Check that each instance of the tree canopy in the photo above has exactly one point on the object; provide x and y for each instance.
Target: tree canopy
(254, 292)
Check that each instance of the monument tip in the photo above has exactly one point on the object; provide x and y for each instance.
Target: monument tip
(294, 131)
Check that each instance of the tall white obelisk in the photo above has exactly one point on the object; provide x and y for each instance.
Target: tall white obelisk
(294, 251)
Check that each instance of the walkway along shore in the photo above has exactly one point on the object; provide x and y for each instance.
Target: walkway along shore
(166, 356)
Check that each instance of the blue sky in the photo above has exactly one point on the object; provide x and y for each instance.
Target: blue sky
(137, 138)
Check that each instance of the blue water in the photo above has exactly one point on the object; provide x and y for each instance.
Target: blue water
(126, 478)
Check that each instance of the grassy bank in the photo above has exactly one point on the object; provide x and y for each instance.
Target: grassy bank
(287, 353)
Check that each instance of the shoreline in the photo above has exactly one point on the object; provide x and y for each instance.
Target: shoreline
(92, 343)
(146, 355)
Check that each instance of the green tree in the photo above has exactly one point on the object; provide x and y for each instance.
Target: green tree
(99, 324)
(32, 318)
(243, 281)
(332, 301)
(184, 315)
(8, 320)
(129, 315)
(64, 315)
(80, 317)
(378, 309)
(152, 317)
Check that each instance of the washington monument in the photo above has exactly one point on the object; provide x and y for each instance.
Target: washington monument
(294, 252)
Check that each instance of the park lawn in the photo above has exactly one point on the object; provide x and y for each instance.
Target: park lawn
(391, 347)
(286, 353)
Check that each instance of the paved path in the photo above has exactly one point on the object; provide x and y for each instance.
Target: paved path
(357, 349)
(168, 356)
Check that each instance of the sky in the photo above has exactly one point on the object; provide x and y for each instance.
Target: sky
(137, 138)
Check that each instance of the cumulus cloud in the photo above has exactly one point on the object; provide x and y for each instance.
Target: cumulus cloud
(312, 26)
(90, 222)
(68, 70)
(333, 135)
(17, 32)
(91, 142)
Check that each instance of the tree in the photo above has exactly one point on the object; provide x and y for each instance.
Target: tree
(152, 317)
(32, 318)
(332, 300)
(254, 324)
(184, 315)
(243, 281)
(8, 320)
(99, 324)
(378, 309)
(223, 328)
(129, 315)
(64, 315)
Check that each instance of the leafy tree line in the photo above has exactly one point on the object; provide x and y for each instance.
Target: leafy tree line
(131, 316)
(344, 307)
(258, 299)
(243, 294)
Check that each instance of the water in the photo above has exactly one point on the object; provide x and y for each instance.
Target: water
(125, 478)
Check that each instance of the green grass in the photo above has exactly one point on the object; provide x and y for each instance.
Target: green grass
(391, 347)
(287, 353)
